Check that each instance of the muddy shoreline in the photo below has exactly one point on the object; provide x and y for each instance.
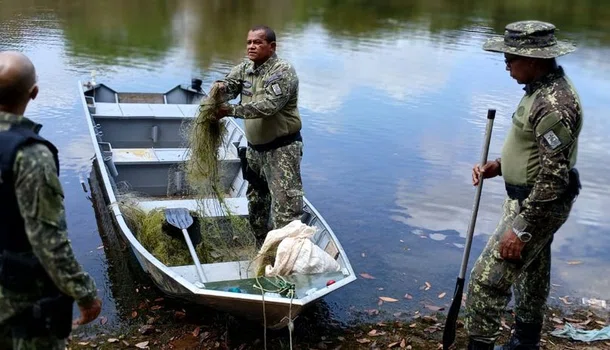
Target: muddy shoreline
(161, 323)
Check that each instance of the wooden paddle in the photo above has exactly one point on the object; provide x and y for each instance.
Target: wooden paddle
(182, 219)
(454, 310)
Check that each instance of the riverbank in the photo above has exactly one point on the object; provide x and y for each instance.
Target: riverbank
(161, 323)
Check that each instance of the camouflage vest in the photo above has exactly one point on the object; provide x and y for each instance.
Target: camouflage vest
(520, 154)
(12, 231)
(285, 122)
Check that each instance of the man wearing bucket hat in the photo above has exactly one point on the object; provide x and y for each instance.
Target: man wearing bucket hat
(537, 166)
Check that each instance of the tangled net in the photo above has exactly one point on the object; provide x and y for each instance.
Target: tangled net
(216, 239)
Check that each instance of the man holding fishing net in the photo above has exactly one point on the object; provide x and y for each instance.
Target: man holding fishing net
(537, 166)
(39, 277)
(269, 88)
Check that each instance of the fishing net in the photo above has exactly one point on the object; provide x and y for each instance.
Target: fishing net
(218, 238)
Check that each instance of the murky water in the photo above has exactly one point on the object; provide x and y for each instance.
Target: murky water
(393, 98)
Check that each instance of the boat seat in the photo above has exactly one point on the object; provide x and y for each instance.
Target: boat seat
(132, 156)
(238, 206)
(142, 110)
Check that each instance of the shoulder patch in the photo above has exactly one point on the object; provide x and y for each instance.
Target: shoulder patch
(552, 139)
(277, 90)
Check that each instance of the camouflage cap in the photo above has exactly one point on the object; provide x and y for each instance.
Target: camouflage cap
(531, 39)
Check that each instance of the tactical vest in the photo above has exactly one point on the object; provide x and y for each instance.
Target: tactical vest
(284, 123)
(20, 270)
(520, 154)
(12, 231)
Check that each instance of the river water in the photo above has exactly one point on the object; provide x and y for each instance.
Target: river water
(393, 98)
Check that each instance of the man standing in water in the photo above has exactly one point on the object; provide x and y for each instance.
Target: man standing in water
(537, 165)
(269, 89)
(39, 276)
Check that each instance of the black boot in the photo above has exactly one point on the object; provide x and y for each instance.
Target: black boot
(477, 345)
(525, 337)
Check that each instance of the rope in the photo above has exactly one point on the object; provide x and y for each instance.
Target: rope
(282, 286)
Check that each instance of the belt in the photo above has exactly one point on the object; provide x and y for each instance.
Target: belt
(521, 192)
(277, 143)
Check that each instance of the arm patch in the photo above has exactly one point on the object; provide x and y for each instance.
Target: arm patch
(553, 134)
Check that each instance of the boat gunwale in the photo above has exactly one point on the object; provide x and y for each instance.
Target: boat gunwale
(133, 241)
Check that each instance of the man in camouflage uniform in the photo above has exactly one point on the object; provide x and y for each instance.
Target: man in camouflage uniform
(537, 165)
(39, 277)
(269, 89)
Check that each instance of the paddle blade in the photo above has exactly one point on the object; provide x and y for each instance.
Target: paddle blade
(452, 315)
(178, 217)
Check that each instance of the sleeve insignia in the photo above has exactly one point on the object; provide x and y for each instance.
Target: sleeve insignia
(552, 139)
(276, 89)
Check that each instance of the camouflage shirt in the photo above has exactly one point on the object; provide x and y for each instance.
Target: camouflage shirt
(40, 197)
(269, 98)
(553, 117)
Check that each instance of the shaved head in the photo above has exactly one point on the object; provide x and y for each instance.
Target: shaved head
(17, 80)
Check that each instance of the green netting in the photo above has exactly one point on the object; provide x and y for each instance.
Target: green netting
(216, 239)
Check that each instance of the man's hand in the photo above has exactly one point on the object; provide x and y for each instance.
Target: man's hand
(89, 312)
(491, 169)
(223, 111)
(220, 85)
(511, 246)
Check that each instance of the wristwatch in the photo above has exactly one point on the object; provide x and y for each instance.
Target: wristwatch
(523, 236)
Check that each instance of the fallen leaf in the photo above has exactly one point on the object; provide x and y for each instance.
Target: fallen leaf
(388, 299)
(363, 340)
(125, 343)
(572, 320)
(196, 332)
(156, 307)
(428, 286)
(134, 314)
(375, 333)
(403, 343)
(103, 320)
(391, 345)
(380, 302)
(434, 307)
(380, 288)
(142, 345)
(367, 276)
(431, 319)
(112, 340)
(381, 324)
(397, 314)
(146, 329)
(442, 295)
(100, 247)
(557, 320)
(565, 300)
(363, 255)
(83, 343)
(574, 262)
(601, 323)
(158, 300)
(413, 325)
(408, 296)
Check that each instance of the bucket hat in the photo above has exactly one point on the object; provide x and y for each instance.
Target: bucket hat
(531, 39)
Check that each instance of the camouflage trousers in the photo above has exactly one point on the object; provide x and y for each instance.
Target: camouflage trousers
(276, 192)
(7, 342)
(491, 279)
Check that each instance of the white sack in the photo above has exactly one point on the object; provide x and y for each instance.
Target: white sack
(296, 252)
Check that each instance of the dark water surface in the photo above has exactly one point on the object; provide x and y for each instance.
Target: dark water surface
(393, 98)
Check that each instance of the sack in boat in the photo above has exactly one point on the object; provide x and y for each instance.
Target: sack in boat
(296, 252)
